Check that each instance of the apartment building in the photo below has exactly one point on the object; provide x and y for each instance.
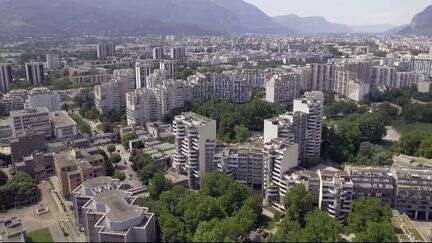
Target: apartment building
(422, 65)
(30, 120)
(335, 194)
(158, 53)
(169, 95)
(349, 85)
(43, 97)
(105, 49)
(14, 100)
(76, 166)
(177, 53)
(229, 86)
(244, 163)
(35, 73)
(142, 71)
(6, 77)
(280, 156)
(170, 67)
(195, 138)
(53, 61)
(108, 214)
(283, 88)
(322, 77)
(383, 75)
(312, 106)
(140, 107)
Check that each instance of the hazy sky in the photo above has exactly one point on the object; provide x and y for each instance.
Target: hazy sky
(396, 12)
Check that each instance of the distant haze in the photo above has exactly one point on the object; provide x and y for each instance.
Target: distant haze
(351, 12)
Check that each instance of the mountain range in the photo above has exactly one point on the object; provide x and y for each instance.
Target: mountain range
(20, 18)
(420, 24)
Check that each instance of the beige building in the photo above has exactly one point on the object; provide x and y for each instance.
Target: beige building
(76, 166)
(283, 88)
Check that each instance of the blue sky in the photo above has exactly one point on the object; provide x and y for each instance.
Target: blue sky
(353, 12)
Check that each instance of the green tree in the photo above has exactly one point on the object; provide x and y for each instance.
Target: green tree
(298, 202)
(126, 138)
(377, 232)
(109, 168)
(241, 133)
(157, 185)
(411, 141)
(371, 154)
(288, 230)
(111, 148)
(366, 210)
(120, 176)
(425, 148)
(3, 178)
(115, 158)
(320, 227)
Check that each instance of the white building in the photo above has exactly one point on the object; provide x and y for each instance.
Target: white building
(177, 53)
(140, 107)
(43, 97)
(14, 100)
(6, 77)
(158, 53)
(195, 138)
(142, 71)
(30, 120)
(279, 157)
(53, 61)
(170, 68)
(283, 88)
(35, 73)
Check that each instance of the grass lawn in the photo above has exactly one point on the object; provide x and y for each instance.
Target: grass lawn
(403, 127)
(42, 235)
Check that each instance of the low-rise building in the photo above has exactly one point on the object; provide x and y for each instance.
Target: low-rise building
(108, 214)
(63, 126)
(30, 120)
(75, 166)
(24, 145)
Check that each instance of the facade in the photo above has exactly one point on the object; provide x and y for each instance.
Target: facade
(349, 85)
(105, 50)
(283, 88)
(140, 107)
(243, 163)
(422, 65)
(14, 100)
(229, 86)
(6, 77)
(63, 127)
(383, 75)
(177, 53)
(43, 97)
(53, 61)
(75, 166)
(280, 156)
(108, 214)
(313, 108)
(142, 71)
(158, 53)
(112, 95)
(336, 193)
(170, 68)
(30, 120)
(35, 73)
(170, 94)
(322, 77)
(195, 138)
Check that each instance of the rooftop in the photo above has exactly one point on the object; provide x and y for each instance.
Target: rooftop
(61, 119)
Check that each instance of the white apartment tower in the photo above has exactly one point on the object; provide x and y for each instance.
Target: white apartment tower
(35, 73)
(140, 106)
(195, 138)
(170, 68)
(177, 53)
(158, 53)
(142, 71)
(312, 106)
(283, 88)
(53, 61)
(280, 156)
(6, 77)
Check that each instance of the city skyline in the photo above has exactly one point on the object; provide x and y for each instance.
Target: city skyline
(368, 12)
